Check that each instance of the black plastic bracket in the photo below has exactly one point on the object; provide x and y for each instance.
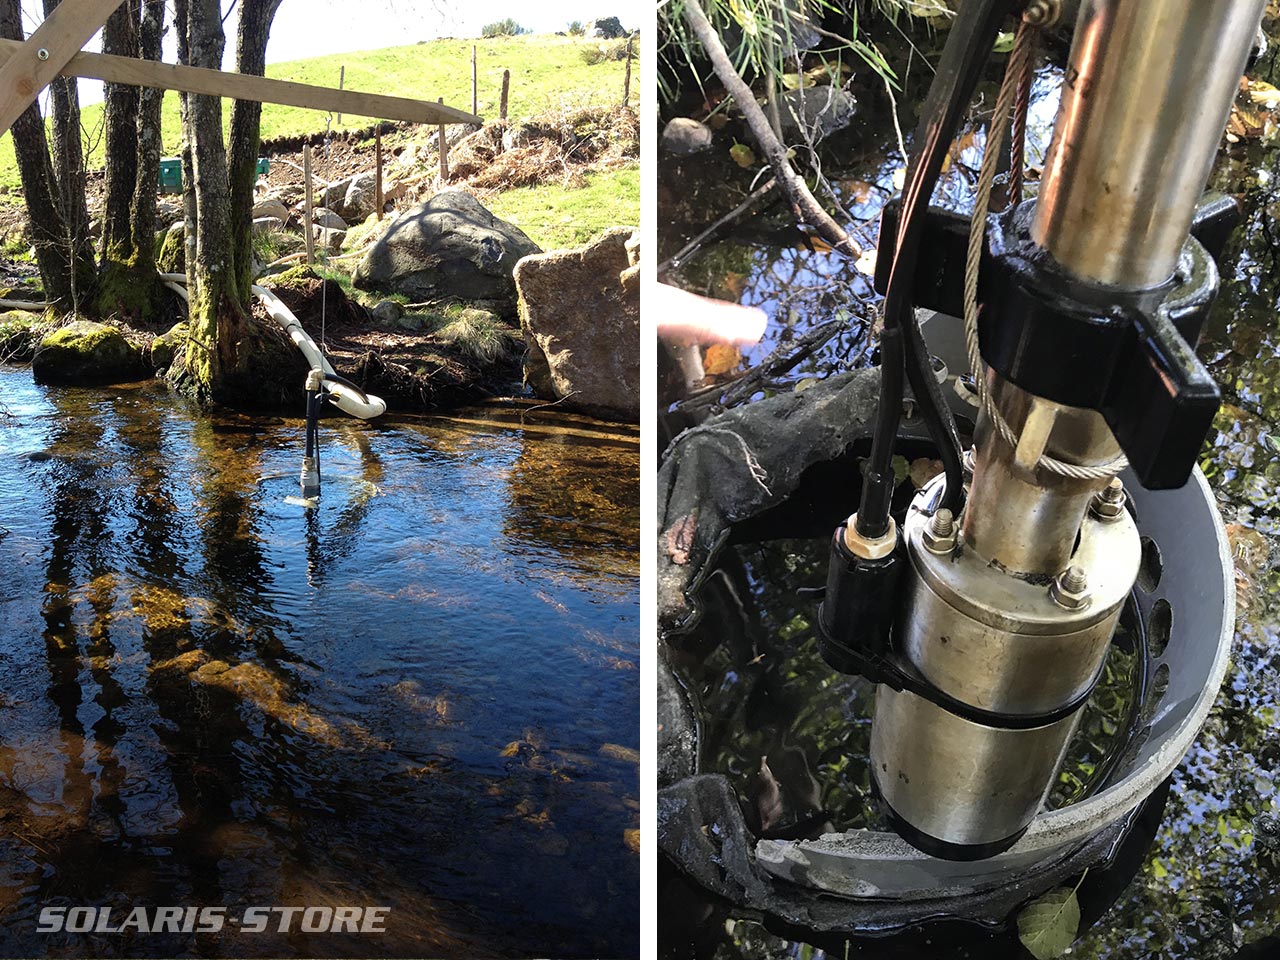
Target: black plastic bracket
(1127, 355)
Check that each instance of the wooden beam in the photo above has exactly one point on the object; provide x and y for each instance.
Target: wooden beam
(44, 55)
(239, 86)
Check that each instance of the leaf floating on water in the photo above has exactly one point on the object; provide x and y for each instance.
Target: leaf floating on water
(1262, 92)
(742, 155)
(901, 469)
(720, 359)
(899, 178)
(1048, 926)
(795, 81)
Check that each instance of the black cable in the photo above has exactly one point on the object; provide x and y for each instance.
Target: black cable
(970, 41)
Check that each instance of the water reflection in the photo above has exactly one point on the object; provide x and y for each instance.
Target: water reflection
(422, 695)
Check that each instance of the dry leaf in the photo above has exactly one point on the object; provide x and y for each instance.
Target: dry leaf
(681, 537)
(923, 470)
(867, 262)
(721, 358)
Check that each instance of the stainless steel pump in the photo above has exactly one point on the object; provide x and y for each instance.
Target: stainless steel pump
(1010, 608)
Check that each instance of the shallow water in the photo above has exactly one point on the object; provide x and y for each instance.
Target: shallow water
(422, 695)
(1209, 886)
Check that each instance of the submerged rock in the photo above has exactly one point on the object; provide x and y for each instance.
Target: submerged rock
(822, 111)
(684, 136)
(580, 311)
(86, 352)
(449, 248)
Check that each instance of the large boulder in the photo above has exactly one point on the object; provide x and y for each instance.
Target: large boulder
(580, 312)
(606, 28)
(85, 352)
(449, 248)
(361, 198)
(271, 207)
(171, 249)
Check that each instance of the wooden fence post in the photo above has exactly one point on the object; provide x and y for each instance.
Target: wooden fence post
(377, 149)
(342, 79)
(626, 82)
(506, 88)
(444, 152)
(306, 230)
(475, 92)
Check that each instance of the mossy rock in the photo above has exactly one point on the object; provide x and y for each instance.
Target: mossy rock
(84, 352)
(17, 336)
(165, 346)
(171, 251)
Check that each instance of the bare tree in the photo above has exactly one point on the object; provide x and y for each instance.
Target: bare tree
(66, 270)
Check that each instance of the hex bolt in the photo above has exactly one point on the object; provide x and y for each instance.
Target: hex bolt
(1108, 503)
(940, 533)
(1042, 13)
(1071, 589)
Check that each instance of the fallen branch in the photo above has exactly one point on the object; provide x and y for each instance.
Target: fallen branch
(693, 245)
(802, 200)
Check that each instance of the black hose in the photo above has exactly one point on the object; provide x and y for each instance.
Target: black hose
(970, 41)
(334, 378)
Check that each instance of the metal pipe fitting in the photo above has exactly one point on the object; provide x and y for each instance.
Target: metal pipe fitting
(1148, 89)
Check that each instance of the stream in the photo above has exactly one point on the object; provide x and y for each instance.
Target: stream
(422, 695)
(1208, 886)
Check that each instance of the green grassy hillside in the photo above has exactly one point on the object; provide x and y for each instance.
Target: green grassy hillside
(546, 71)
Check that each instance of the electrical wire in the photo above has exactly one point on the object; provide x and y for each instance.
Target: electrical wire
(902, 345)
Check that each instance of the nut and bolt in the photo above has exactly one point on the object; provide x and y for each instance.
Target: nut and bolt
(940, 533)
(1108, 503)
(1071, 590)
(1042, 13)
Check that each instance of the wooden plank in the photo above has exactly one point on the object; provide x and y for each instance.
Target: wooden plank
(239, 86)
(35, 63)
(307, 207)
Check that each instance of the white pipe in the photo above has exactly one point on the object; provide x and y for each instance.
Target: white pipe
(23, 305)
(341, 396)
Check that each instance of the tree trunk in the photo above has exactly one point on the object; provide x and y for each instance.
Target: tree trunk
(230, 357)
(246, 117)
(120, 38)
(124, 285)
(150, 147)
(67, 275)
(68, 156)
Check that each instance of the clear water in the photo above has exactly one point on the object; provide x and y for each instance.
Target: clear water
(422, 695)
